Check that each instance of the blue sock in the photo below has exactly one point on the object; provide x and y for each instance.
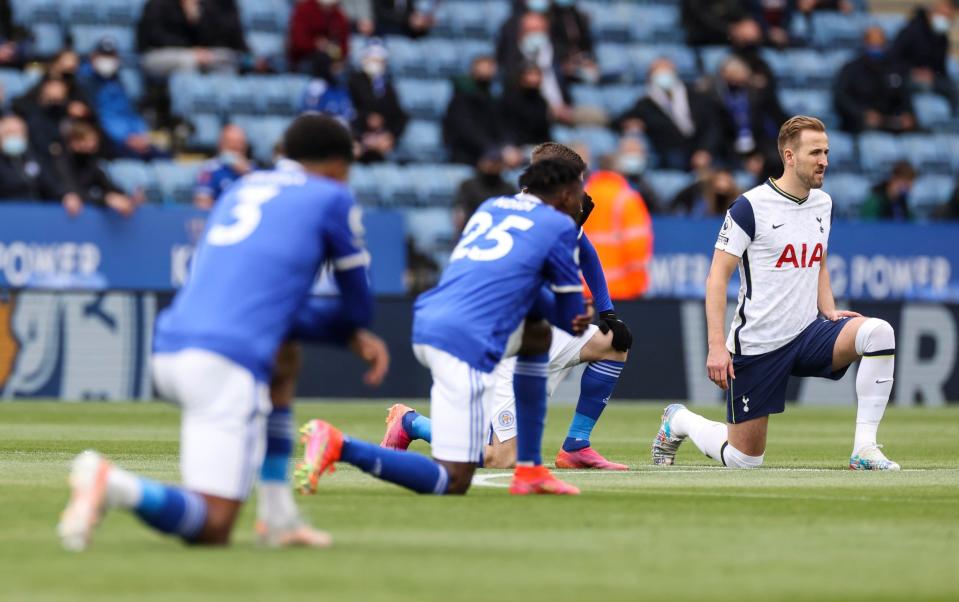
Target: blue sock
(596, 387)
(279, 446)
(418, 426)
(529, 388)
(171, 509)
(409, 470)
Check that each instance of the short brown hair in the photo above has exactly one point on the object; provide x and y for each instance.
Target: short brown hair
(791, 130)
(555, 150)
(80, 130)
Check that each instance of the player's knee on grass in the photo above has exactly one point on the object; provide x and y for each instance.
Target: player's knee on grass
(600, 348)
(499, 454)
(221, 515)
(537, 336)
(460, 476)
(288, 363)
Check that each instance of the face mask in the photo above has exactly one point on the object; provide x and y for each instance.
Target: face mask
(941, 24)
(632, 164)
(533, 43)
(229, 158)
(537, 6)
(14, 146)
(664, 79)
(374, 68)
(106, 66)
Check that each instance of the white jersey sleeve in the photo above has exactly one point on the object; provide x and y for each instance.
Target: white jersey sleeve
(739, 228)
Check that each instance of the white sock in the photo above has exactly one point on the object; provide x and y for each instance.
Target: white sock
(733, 458)
(708, 435)
(876, 342)
(123, 489)
(275, 504)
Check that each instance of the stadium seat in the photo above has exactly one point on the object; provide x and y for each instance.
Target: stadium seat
(422, 142)
(191, 92)
(47, 39)
(424, 99)
(848, 191)
(817, 103)
(266, 44)
(132, 81)
(131, 176)
(206, 132)
(364, 185)
(406, 56)
(85, 37)
(615, 63)
(600, 140)
(835, 30)
(610, 22)
(13, 83)
(712, 57)
(683, 57)
(618, 99)
(395, 189)
(31, 12)
(667, 183)
(467, 50)
(926, 153)
(269, 16)
(949, 145)
(121, 12)
(458, 19)
(80, 12)
(656, 23)
(432, 230)
(891, 23)
(441, 57)
(878, 151)
(436, 185)
(176, 180)
(842, 151)
(929, 192)
(933, 111)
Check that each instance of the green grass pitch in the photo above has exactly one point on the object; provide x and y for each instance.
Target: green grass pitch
(801, 528)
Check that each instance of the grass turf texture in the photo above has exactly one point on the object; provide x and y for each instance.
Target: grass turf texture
(692, 532)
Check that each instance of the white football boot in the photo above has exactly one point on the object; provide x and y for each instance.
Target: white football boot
(870, 457)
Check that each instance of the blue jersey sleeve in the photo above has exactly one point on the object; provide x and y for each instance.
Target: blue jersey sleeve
(323, 320)
(562, 271)
(593, 274)
(343, 235)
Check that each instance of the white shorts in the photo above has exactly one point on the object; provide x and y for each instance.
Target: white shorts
(459, 405)
(223, 429)
(563, 356)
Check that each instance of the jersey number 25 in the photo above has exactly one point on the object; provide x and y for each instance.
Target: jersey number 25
(482, 223)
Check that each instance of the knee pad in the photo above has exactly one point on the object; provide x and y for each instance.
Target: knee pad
(875, 337)
(733, 458)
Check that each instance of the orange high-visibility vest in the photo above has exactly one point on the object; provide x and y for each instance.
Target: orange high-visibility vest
(621, 230)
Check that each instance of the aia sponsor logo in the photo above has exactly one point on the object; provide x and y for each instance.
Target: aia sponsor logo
(802, 259)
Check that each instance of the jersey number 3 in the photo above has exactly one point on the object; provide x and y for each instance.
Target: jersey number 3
(482, 223)
(247, 214)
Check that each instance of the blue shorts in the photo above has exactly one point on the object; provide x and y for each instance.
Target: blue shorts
(760, 385)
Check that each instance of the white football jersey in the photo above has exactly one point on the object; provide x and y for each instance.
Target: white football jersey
(781, 241)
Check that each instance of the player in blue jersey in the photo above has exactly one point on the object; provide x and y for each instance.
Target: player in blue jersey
(603, 347)
(214, 348)
(463, 328)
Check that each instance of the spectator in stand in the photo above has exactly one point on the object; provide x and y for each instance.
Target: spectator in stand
(526, 114)
(573, 41)
(328, 92)
(63, 66)
(773, 16)
(923, 47)
(808, 6)
(680, 122)
(707, 22)
(318, 27)
(12, 38)
(231, 163)
(872, 92)
(532, 44)
(889, 200)
(196, 35)
(621, 230)
(750, 116)
(709, 196)
(380, 120)
(413, 18)
(632, 161)
(486, 183)
(746, 40)
(472, 124)
(46, 117)
(125, 129)
(84, 177)
(950, 210)
(24, 174)
(360, 14)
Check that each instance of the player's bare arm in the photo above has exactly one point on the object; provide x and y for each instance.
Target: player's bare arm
(826, 301)
(719, 364)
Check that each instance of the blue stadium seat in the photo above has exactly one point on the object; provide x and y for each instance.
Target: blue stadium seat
(656, 23)
(191, 92)
(395, 189)
(441, 57)
(878, 151)
(835, 30)
(47, 39)
(805, 67)
(271, 16)
(85, 37)
(949, 143)
(13, 83)
(614, 99)
(242, 95)
(926, 153)
(615, 62)
(467, 50)
(682, 56)
(31, 12)
(744, 180)
(600, 140)
(132, 81)
(436, 185)
(842, 151)
(929, 192)
(121, 12)
(263, 132)
(421, 142)
(80, 12)
(610, 22)
(667, 183)
(712, 57)
(206, 132)
(176, 180)
(816, 103)
(848, 191)
(458, 19)
(432, 230)
(406, 56)
(424, 98)
(364, 185)
(933, 111)
(266, 44)
(891, 23)
(131, 175)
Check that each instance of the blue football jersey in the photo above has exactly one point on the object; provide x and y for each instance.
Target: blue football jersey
(265, 241)
(509, 249)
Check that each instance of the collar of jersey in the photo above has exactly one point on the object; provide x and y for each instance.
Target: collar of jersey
(525, 196)
(795, 199)
(284, 164)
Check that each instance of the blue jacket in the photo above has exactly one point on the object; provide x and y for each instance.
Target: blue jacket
(118, 117)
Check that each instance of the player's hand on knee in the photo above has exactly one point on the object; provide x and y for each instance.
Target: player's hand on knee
(372, 350)
(841, 313)
(622, 337)
(583, 320)
(719, 366)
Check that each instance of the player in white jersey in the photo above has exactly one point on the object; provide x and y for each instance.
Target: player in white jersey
(786, 321)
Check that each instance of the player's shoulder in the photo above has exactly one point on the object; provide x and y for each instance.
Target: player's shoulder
(818, 196)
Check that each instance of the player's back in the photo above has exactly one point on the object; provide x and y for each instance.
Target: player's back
(493, 278)
(264, 243)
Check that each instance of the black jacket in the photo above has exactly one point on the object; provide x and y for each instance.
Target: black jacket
(164, 25)
(29, 177)
(526, 116)
(917, 45)
(673, 148)
(83, 176)
(867, 83)
(365, 101)
(766, 115)
(570, 32)
(474, 191)
(472, 122)
(707, 21)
